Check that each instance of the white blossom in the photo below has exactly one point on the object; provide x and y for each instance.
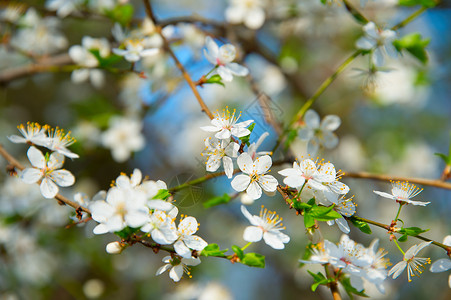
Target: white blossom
(381, 41)
(222, 58)
(410, 261)
(344, 207)
(443, 264)
(402, 192)
(177, 267)
(249, 12)
(220, 150)
(187, 241)
(58, 141)
(134, 50)
(120, 209)
(254, 177)
(318, 133)
(123, 137)
(161, 227)
(63, 8)
(33, 134)
(226, 125)
(306, 172)
(252, 149)
(48, 171)
(267, 226)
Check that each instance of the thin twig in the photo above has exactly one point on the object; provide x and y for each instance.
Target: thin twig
(178, 64)
(422, 181)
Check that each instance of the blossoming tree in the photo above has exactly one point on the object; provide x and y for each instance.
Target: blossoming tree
(149, 96)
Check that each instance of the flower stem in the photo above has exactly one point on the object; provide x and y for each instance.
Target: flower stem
(247, 245)
(332, 285)
(397, 245)
(214, 68)
(300, 191)
(399, 211)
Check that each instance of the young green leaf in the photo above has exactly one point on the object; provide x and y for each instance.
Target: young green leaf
(162, 194)
(215, 79)
(363, 226)
(425, 3)
(238, 251)
(217, 200)
(415, 45)
(253, 260)
(213, 250)
(245, 139)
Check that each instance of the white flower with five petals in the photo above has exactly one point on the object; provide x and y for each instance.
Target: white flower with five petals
(217, 151)
(410, 261)
(306, 172)
(161, 227)
(381, 41)
(254, 177)
(177, 266)
(267, 226)
(32, 134)
(226, 125)
(222, 58)
(402, 192)
(318, 133)
(134, 50)
(48, 170)
(187, 241)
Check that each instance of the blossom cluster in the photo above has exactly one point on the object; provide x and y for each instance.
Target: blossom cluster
(353, 259)
(46, 169)
(137, 204)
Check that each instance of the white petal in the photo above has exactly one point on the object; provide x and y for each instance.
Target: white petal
(245, 163)
(62, 177)
(223, 134)
(48, 188)
(225, 73)
(305, 133)
(312, 147)
(397, 269)
(31, 175)
(160, 205)
(385, 195)
(251, 218)
(255, 18)
(176, 273)
(237, 70)
(228, 166)
(268, 183)
(252, 234)
(16, 139)
(365, 43)
(100, 229)
(330, 122)
(195, 242)
(254, 190)
(56, 161)
(80, 75)
(182, 249)
(240, 182)
(378, 57)
(212, 47)
(213, 163)
(311, 118)
(188, 226)
(294, 181)
(36, 158)
(343, 225)
(163, 269)
(262, 164)
(441, 265)
(210, 128)
(273, 240)
(149, 52)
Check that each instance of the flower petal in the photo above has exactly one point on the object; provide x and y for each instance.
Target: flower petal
(254, 190)
(48, 188)
(331, 123)
(31, 175)
(262, 164)
(182, 249)
(36, 158)
(252, 234)
(274, 240)
(240, 182)
(228, 166)
(311, 118)
(268, 183)
(245, 163)
(62, 177)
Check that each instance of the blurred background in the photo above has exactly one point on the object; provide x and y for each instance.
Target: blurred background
(393, 123)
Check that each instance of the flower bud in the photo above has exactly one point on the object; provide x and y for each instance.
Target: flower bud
(114, 248)
(246, 199)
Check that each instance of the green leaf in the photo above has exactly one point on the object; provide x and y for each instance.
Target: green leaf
(121, 14)
(309, 221)
(402, 238)
(126, 232)
(311, 202)
(162, 194)
(350, 290)
(412, 231)
(238, 251)
(425, 3)
(217, 200)
(319, 280)
(413, 44)
(215, 79)
(320, 211)
(245, 139)
(213, 250)
(253, 260)
(355, 13)
(300, 205)
(363, 226)
(291, 135)
(446, 159)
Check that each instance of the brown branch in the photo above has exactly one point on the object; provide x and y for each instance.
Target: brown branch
(61, 199)
(428, 182)
(178, 64)
(45, 64)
